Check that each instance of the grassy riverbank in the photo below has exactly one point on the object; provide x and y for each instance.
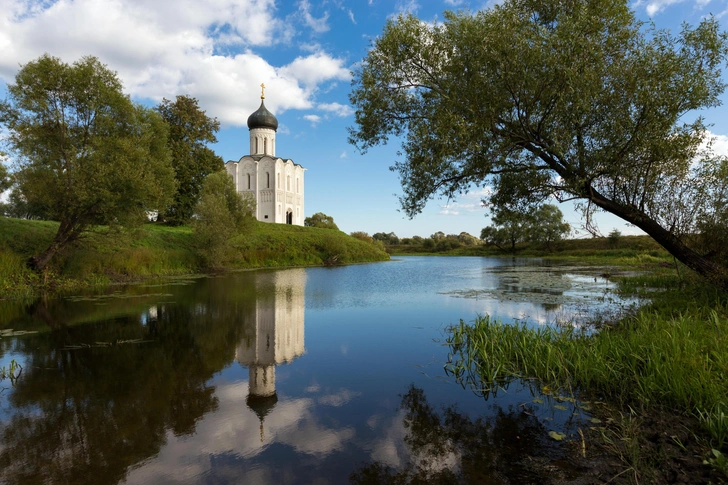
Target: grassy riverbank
(662, 371)
(105, 256)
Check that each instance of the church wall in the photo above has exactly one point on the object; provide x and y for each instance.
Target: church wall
(276, 185)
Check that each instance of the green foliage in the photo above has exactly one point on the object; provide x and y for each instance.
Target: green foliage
(575, 100)
(321, 220)
(190, 129)
(614, 236)
(510, 227)
(221, 214)
(543, 226)
(85, 154)
(106, 256)
(5, 181)
(548, 226)
(659, 359)
(390, 238)
(362, 236)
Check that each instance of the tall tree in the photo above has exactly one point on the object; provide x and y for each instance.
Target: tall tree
(221, 214)
(548, 226)
(190, 129)
(509, 228)
(572, 99)
(85, 153)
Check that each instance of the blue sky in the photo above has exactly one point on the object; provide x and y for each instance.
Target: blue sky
(220, 51)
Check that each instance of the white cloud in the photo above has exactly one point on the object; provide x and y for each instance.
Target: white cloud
(653, 7)
(337, 109)
(170, 47)
(351, 16)
(470, 202)
(318, 25)
(344, 155)
(314, 69)
(338, 399)
(314, 119)
(719, 144)
(407, 6)
(235, 429)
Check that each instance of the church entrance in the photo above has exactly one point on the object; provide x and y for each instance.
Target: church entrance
(289, 217)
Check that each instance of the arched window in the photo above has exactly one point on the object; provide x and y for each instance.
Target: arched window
(288, 183)
(256, 144)
(278, 180)
(267, 181)
(248, 181)
(296, 184)
(265, 145)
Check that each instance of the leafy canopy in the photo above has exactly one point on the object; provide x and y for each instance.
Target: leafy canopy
(572, 99)
(190, 129)
(84, 153)
(320, 219)
(545, 225)
(220, 215)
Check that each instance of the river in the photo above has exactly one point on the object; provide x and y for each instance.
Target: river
(304, 375)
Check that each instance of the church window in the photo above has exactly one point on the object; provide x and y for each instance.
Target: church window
(248, 181)
(296, 184)
(267, 176)
(288, 183)
(256, 144)
(265, 145)
(278, 181)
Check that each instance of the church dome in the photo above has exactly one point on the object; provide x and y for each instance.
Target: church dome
(262, 119)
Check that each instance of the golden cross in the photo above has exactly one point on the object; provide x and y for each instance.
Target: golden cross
(262, 92)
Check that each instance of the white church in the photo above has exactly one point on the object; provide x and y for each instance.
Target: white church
(276, 184)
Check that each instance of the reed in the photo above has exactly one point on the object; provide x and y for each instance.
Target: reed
(651, 360)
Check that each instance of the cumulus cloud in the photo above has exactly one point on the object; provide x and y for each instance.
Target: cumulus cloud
(234, 429)
(337, 109)
(205, 49)
(318, 25)
(314, 69)
(313, 119)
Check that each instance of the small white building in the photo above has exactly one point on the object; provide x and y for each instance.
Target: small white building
(276, 184)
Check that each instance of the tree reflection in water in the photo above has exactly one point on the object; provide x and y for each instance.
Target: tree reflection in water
(450, 448)
(85, 411)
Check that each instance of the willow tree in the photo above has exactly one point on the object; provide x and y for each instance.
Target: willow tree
(575, 100)
(85, 154)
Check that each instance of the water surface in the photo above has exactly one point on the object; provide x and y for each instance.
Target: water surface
(318, 375)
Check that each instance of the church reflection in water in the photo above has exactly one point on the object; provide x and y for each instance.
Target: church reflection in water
(277, 336)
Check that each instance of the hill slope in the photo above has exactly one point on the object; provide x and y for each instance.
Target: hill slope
(106, 256)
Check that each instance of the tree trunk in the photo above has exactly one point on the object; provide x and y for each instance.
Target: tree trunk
(66, 234)
(713, 271)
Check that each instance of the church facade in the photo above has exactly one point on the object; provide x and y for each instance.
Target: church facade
(276, 184)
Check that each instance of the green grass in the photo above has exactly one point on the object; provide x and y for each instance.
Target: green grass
(670, 357)
(104, 256)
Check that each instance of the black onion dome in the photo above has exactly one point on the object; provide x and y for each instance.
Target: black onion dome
(262, 119)
(261, 405)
